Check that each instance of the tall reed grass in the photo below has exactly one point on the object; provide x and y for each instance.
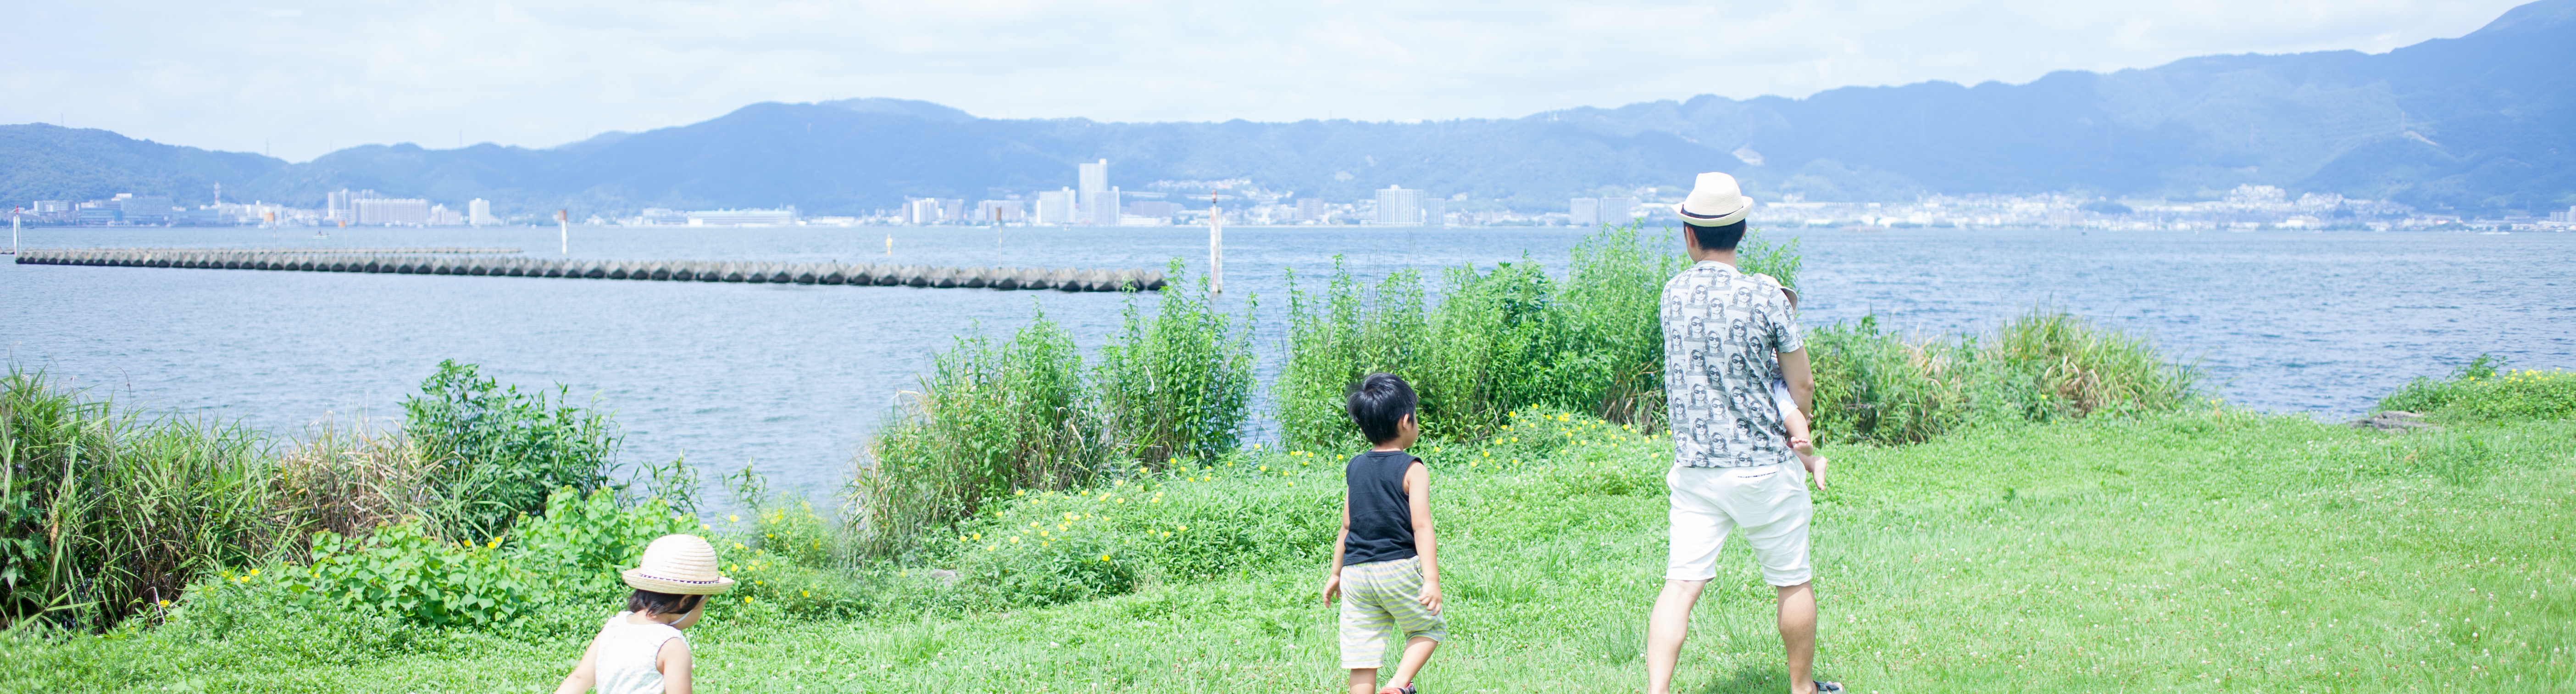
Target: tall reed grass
(1873, 385)
(1177, 384)
(989, 419)
(1171, 388)
(1497, 340)
(102, 512)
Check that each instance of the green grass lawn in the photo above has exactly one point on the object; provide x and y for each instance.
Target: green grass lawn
(2207, 551)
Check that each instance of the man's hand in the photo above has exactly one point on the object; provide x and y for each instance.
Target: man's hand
(1332, 586)
(1430, 595)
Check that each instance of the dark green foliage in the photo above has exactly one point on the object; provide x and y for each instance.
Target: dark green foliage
(497, 453)
(1499, 340)
(2485, 391)
(102, 513)
(1178, 384)
(988, 420)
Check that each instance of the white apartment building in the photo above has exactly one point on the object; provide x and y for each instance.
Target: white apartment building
(1100, 207)
(479, 213)
(1399, 207)
(1055, 206)
(1092, 178)
(921, 211)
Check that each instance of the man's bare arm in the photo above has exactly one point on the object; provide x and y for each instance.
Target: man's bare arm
(1802, 380)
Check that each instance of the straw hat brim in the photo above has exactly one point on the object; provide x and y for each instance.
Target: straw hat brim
(637, 579)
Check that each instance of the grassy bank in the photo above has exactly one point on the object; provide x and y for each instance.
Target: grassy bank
(2198, 551)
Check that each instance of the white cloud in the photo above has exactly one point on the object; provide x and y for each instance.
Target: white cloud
(298, 78)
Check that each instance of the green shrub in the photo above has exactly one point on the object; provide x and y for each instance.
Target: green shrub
(988, 420)
(1179, 384)
(1192, 523)
(498, 453)
(404, 571)
(1336, 338)
(1873, 386)
(1497, 341)
(102, 513)
(2485, 391)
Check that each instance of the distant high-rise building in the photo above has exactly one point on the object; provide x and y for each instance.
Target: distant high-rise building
(1435, 212)
(479, 213)
(51, 206)
(952, 209)
(1100, 207)
(409, 211)
(1399, 207)
(1312, 210)
(1584, 212)
(1094, 178)
(1618, 210)
(342, 206)
(440, 216)
(1056, 206)
(921, 211)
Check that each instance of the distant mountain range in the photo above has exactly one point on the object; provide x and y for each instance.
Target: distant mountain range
(2483, 123)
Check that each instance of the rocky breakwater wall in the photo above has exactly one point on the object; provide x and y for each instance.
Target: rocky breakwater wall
(1060, 279)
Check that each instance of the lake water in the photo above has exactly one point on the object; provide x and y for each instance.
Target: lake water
(792, 378)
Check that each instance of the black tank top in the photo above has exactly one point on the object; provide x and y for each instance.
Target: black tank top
(1381, 513)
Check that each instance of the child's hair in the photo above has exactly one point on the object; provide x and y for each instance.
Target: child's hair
(649, 602)
(1377, 402)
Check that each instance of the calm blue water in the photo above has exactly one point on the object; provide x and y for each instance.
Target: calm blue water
(792, 378)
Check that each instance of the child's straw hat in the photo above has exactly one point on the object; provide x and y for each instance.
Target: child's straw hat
(679, 565)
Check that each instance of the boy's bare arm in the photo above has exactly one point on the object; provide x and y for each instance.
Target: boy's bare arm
(1417, 488)
(1801, 378)
(1341, 540)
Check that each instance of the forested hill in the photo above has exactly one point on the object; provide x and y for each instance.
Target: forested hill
(2480, 123)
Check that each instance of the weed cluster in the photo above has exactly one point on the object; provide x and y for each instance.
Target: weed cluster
(990, 420)
(102, 513)
(1875, 386)
(1497, 341)
(2485, 391)
(105, 515)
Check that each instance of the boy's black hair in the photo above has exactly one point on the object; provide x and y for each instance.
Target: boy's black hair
(1377, 402)
(1722, 238)
(649, 602)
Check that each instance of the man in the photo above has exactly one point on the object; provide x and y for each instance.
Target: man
(1727, 336)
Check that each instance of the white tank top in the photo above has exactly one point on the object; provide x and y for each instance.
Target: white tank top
(626, 655)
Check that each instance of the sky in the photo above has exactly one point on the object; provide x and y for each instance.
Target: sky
(298, 79)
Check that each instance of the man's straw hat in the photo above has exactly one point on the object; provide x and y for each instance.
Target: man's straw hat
(679, 565)
(1714, 201)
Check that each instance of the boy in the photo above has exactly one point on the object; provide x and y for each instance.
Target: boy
(1801, 440)
(1386, 563)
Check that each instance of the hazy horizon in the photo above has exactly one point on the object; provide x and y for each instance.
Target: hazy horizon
(296, 80)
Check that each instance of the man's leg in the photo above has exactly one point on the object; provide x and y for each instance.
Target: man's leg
(1798, 633)
(1666, 630)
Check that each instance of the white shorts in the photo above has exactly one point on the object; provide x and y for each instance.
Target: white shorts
(1769, 503)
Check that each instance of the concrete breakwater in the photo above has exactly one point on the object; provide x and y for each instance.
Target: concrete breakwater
(1060, 279)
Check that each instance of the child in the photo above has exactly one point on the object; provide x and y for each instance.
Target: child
(641, 650)
(1385, 563)
(1800, 439)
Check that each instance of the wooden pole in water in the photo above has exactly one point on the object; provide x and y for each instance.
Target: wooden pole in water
(1216, 245)
(563, 220)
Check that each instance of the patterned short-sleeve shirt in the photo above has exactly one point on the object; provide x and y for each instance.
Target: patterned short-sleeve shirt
(1723, 333)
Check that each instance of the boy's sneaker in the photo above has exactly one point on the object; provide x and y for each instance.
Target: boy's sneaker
(1406, 689)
